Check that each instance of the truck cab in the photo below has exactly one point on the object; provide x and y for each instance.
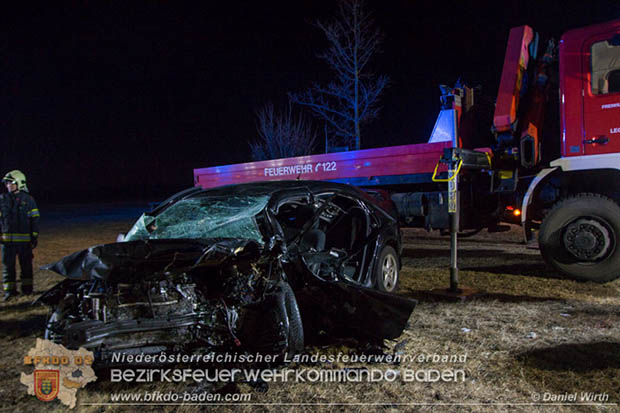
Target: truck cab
(590, 90)
(576, 197)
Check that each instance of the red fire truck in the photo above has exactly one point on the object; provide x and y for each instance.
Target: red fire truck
(546, 154)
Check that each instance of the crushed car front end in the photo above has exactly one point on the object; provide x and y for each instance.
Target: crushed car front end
(250, 268)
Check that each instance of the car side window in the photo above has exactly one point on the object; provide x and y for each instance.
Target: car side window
(344, 222)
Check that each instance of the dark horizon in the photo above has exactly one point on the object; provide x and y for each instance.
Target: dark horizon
(115, 100)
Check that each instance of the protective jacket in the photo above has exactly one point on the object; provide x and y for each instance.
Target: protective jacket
(19, 218)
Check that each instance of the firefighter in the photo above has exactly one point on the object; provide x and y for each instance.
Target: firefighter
(19, 222)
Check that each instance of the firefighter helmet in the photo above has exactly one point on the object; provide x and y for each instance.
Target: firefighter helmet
(18, 178)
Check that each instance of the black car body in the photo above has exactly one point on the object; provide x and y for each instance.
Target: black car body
(252, 266)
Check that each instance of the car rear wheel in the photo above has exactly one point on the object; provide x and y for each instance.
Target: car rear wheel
(579, 238)
(386, 270)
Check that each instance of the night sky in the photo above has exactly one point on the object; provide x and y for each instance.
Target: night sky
(111, 100)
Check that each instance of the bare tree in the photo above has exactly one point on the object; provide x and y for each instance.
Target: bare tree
(282, 135)
(353, 98)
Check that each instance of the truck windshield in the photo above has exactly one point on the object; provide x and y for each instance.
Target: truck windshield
(203, 217)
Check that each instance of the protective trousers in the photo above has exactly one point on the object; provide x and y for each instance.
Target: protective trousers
(9, 253)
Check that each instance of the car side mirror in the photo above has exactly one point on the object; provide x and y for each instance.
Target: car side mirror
(121, 237)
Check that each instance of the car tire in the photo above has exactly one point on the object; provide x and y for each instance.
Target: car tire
(386, 270)
(289, 310)
(50, 334)
(579, 238)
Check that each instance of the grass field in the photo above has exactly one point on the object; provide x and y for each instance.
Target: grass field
(528, 335)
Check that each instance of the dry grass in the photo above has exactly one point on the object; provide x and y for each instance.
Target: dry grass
(529, 333)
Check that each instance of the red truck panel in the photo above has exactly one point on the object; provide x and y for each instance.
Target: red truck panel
(571, 110)
(365, 163)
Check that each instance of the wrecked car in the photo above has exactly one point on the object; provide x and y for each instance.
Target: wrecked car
(251, 267)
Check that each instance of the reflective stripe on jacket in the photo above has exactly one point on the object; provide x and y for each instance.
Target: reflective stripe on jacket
(19, 217)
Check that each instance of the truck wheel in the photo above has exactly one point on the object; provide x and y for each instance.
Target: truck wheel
(579, 237)
(386, 270)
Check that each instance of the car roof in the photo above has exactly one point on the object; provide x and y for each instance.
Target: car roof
(294, 186)
(269, 188)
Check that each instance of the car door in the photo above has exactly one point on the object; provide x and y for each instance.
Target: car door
(345, 222)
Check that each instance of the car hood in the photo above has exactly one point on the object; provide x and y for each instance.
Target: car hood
(127, 261)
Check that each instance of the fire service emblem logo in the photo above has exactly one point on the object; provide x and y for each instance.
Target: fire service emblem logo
(58, 372)
(46, 384)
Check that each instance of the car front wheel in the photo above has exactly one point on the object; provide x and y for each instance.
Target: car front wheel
(289, 313)
(386, 270)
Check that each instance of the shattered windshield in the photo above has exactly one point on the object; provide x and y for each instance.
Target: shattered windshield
(204, 217)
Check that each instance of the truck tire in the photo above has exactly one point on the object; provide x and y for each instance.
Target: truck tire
(386, 270)
(580, 237)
